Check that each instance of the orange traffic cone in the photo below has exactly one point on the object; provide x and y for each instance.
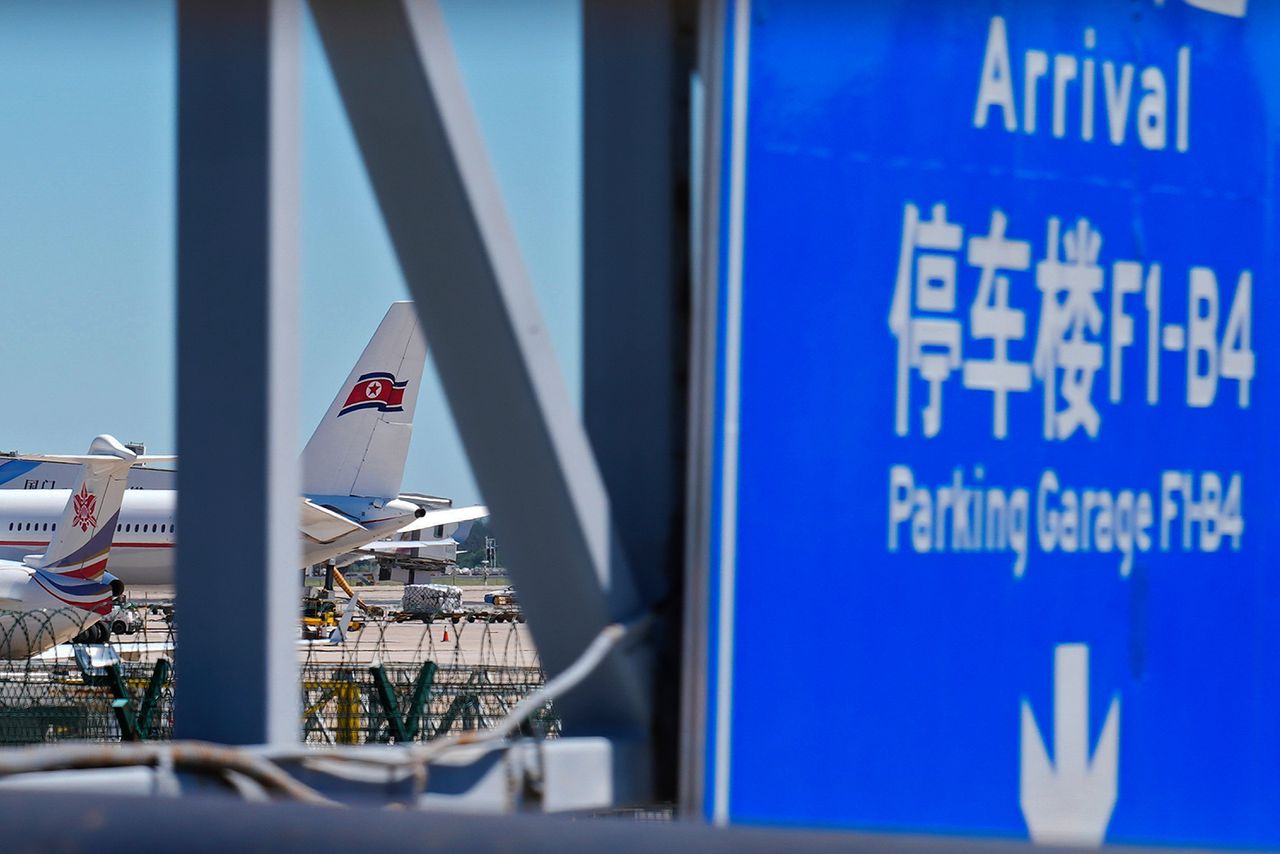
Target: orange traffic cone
(445, 636)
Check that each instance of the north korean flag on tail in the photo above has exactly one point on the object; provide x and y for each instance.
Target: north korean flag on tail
(375, 391)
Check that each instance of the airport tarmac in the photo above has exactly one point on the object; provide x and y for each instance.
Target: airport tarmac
(380, 640)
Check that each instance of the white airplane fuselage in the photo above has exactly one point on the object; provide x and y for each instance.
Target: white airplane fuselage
(32, 616)
(142, 548)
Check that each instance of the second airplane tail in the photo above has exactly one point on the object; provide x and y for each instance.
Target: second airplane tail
(81, 540)
(361, 444)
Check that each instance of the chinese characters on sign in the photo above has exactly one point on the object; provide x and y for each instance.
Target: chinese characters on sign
(1071, 336)
(1073, 341)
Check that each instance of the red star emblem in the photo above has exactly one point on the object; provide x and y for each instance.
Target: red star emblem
(84, 504)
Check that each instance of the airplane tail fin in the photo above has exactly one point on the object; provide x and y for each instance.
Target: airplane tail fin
(82, 536)
(361, 445)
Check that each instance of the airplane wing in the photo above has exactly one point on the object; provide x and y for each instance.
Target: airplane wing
(405, 545)
(323, 525)
(82, 459)
(449, 516)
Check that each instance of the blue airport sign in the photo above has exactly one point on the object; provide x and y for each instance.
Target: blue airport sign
(994, 512)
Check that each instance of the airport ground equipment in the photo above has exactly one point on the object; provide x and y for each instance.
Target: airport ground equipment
(322, 618)
(425, 599)
(504, 598)
(444, 602)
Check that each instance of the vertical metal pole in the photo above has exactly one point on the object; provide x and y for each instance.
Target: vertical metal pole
(238, 192)
(638, 59)
(706, 177)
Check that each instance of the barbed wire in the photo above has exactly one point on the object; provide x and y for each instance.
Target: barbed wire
(390, 680)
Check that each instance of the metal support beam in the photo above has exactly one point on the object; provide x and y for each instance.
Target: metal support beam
(637, 68)
(706, 179)
(238, 192)
(400, 84)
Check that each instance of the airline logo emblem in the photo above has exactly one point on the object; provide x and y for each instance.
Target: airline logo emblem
(375, 391)
(84, 504)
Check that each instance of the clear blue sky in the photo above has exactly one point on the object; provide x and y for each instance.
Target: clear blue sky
(87, 100)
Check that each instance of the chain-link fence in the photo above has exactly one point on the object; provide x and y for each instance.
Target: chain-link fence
(387, 680)
(399, 702)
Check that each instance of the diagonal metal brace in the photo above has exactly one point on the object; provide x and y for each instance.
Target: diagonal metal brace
(135, 726)
(399, 81)
(403, 729)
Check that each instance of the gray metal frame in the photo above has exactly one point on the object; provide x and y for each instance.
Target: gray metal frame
(239, 66)
(238, 271)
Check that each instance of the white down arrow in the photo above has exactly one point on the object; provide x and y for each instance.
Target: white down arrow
(1070, 801)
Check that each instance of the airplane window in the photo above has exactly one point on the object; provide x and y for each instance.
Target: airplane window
(45, 527)
(153, 529)
(128, 529)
